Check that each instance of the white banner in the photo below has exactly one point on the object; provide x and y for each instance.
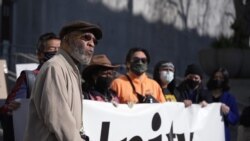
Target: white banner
(152, 122)
(143, 122)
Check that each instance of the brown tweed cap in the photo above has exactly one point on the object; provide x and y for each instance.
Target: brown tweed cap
(81, 26)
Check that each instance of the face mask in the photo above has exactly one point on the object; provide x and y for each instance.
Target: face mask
(48, 55)
(216, 84)
(138, 68)
(103, 83)
(192, 84)
(166, 76)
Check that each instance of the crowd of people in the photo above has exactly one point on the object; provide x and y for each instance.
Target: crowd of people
(56, 88)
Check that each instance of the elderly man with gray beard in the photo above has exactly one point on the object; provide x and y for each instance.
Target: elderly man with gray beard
(55, 110)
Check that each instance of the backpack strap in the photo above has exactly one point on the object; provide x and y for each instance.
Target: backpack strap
(30, 80)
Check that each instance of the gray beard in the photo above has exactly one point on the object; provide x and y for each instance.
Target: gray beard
(79, 54)
(80, 57)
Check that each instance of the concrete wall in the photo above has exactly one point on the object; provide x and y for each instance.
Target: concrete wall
(170, 30)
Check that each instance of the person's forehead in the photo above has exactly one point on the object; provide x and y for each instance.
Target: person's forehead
(166, 68)
(193, 76)
(218, 75)
(82, 33)
(53, 42)
(139, 54)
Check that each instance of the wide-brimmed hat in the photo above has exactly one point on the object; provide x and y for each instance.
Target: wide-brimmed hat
(81, 26)
(98, 61)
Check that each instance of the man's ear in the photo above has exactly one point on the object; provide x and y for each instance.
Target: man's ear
(127, 66)
(65, 45)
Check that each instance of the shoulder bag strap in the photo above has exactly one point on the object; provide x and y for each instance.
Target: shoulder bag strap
(30, 79)
(131, 83)
(139, 96)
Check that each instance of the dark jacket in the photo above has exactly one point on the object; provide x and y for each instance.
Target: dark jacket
(183, 92)
(93, 94)
(244, 118)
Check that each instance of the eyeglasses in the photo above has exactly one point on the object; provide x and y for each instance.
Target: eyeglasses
(137, 60)
(88, 37)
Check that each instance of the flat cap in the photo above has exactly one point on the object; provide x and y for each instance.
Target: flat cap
(81, 26)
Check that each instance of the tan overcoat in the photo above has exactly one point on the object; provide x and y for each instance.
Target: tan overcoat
(55, 110)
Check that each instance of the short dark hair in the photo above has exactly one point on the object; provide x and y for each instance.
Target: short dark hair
(225, 83)
(43, 39)
(136, 49)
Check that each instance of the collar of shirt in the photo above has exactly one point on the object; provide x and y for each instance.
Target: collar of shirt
(137, 79)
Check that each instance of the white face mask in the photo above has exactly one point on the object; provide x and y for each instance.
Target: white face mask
(166, 76)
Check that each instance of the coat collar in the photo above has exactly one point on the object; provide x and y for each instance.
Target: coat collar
(69, 59)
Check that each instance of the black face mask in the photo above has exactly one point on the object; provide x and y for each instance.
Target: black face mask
(48, 55)
(192, 84)
(103, 83)
(216, 84)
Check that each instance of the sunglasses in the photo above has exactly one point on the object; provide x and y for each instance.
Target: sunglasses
(137, 60)
(88, 37)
